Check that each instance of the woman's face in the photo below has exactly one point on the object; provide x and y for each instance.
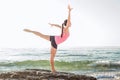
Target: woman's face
(65, 22)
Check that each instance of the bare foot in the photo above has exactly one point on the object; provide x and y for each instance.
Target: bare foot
(27, 30)
(54, 71)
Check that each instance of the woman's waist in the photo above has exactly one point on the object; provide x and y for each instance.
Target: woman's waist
(60, 39)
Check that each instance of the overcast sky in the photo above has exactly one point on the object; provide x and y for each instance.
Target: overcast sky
(94, 22)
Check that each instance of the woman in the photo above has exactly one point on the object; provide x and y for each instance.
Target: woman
(55, 40)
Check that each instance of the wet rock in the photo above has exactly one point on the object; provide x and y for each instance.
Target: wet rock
(39, 74)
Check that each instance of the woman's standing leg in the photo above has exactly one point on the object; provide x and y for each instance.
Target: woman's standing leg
(53, 53)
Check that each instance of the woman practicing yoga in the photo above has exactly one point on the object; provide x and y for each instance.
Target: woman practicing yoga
(55, 40)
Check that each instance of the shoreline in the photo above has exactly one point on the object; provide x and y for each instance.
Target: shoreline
(41, 74)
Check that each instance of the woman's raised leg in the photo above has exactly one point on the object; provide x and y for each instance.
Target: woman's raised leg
(38, 34)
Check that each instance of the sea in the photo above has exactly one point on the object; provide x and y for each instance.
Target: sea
(100, 62)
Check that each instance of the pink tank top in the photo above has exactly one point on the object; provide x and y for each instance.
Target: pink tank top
(59, 39)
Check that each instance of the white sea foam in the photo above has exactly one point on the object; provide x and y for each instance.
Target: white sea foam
(106, 75)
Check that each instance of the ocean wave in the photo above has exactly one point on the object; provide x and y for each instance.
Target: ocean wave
(61, 65)
(44, 64)
(107, 65)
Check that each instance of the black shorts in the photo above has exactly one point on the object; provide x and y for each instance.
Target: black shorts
(53, 43)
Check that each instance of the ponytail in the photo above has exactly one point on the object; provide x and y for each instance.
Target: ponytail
(62, 30)
(63, 24)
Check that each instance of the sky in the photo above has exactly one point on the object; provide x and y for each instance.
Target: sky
(94, 22)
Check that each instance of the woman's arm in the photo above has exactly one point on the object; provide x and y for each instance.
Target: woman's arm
(69, 17)
(56, 25)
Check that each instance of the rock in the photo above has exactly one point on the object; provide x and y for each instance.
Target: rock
(39, 74)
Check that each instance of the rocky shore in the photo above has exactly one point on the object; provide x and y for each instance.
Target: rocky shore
(39, 74)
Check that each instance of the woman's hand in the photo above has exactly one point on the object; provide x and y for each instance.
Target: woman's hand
(69, 8)
(27, 30)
